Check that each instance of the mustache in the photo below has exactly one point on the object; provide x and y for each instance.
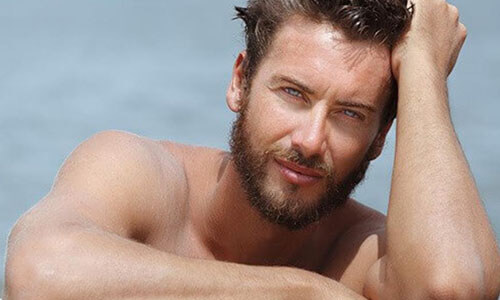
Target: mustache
(293, 155)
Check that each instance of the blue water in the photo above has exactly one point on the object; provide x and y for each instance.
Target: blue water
(69, 69)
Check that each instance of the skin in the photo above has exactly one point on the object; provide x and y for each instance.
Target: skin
(133, 218)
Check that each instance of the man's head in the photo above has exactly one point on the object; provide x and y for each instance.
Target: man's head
(311, 91)
(376, 21)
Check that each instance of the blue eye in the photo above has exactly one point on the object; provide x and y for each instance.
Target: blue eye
(293, 92)
(351, 114)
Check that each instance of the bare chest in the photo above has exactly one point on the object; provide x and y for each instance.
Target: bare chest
(311, 256)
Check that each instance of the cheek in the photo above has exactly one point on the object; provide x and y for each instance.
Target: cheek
(267, 121)
(347, 153)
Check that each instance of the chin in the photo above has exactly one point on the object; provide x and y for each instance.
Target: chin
(284, 194)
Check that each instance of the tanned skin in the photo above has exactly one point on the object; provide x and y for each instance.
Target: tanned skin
(133, 218)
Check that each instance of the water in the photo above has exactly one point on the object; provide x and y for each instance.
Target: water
(69, 69)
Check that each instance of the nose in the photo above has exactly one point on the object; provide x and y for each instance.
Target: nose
(310, 135)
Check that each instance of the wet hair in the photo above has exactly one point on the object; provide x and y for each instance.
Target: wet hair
(379, 21)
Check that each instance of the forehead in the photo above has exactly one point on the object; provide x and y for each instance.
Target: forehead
(325, 58)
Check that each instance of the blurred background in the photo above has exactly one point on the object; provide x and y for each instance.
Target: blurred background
(69, 69)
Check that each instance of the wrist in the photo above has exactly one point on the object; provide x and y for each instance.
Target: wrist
(422, 69)
(422, 96)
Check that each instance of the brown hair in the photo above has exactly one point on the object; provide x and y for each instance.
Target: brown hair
(380, 21)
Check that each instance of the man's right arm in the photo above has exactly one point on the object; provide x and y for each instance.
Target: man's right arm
(78, 262)
(78, 242)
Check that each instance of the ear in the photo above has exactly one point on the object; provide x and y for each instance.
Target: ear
(378, 143)
(234, 94)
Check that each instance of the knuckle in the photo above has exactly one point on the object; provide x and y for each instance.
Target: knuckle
(454, 11)
(463, 30)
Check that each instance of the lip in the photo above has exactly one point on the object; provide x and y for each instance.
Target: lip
(300, 169)
(297, 174)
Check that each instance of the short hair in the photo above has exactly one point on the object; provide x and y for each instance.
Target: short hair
(380, 21)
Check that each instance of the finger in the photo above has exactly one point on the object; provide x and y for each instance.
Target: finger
(454, 12)
(462, 32)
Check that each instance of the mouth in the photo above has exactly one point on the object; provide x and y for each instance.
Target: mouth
(297, 174)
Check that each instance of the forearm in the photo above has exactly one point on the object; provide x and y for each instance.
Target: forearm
(90, 264)
(437, 227)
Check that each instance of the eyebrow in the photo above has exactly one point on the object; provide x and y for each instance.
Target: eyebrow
(276, 79)
(349, 103)
(280, 78)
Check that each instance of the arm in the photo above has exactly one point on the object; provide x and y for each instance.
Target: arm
(439, 241)
(78, 262)
(78, 242)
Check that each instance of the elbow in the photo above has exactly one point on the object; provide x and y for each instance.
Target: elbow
(31, 270)
(479, 280)
(457, 286)
(24, 277)
(455, 291)
(20, 278)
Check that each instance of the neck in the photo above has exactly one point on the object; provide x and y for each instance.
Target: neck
(235, 231)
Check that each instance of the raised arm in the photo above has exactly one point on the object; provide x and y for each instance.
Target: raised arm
(440, 244)
(83, 241)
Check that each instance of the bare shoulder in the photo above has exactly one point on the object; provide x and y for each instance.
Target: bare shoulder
(116, 181)
(359, 246)
(121, 159)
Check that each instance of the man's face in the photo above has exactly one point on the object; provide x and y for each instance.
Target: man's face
(310, 124)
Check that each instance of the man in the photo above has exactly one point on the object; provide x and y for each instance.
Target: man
(132, 218)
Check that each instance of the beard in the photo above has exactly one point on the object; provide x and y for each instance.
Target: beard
(277, 207)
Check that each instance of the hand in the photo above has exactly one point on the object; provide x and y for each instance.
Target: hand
(434, 39)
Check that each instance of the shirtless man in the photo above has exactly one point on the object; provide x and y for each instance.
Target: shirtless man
(133, 218)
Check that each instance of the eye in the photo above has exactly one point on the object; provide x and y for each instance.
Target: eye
(352, 114)
(293, 92)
